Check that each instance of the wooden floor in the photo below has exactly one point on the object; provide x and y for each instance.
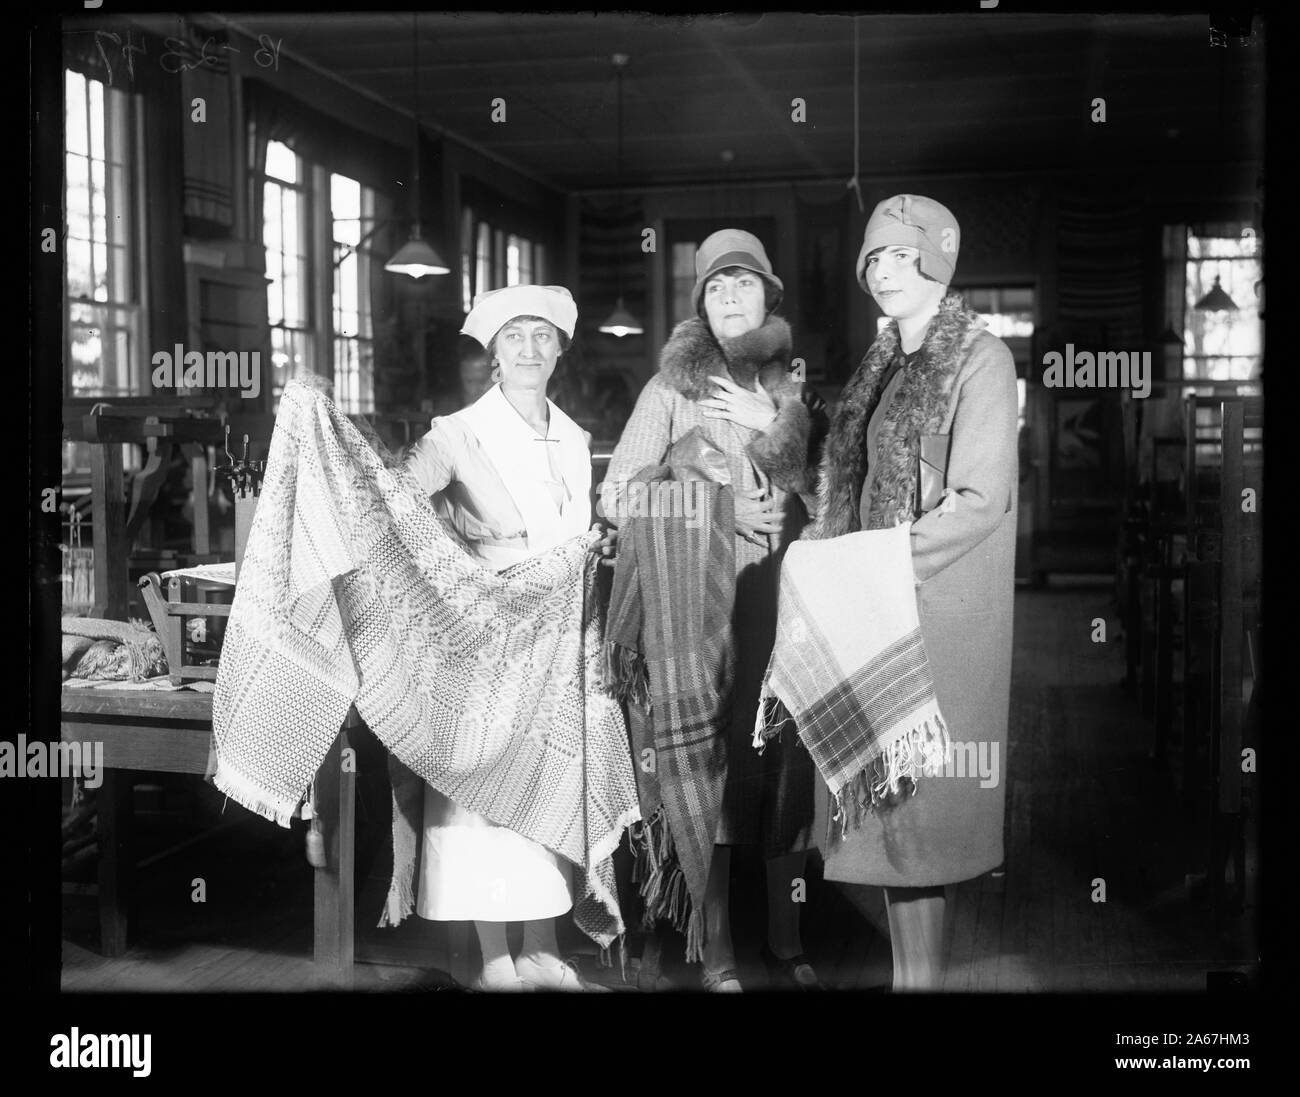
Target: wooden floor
(1084, 803)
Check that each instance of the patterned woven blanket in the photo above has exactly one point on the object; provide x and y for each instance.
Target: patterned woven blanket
(669, 649)
(487, 686)
(850, 669)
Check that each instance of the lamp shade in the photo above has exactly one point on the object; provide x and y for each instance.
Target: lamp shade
(1216, 300)
(621, 322)
(416, 258)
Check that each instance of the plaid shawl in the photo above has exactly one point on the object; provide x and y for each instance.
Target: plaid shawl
(669, 650)
(487, 686)
(850, 669)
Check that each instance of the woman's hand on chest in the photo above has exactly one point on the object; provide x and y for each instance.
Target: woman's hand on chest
(753, 409)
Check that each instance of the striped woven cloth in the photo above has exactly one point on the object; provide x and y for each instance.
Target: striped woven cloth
(487, 686)
(669, 650)
(849, 668)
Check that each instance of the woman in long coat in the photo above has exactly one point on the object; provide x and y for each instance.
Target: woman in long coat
(932, 371)
(726, 372)
(512, 474)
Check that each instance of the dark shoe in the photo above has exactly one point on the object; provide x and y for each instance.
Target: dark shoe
(649, 975)
(795, 973)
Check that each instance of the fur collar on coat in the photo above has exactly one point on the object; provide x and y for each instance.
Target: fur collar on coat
(919, 406)
(788, 451)
(692, 353)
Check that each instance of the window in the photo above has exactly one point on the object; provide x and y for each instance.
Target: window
(352, 212)
(491, 258)
(105, 308)
(1222, 345)
(286, 232)
(467, 259)
(303, 204)
(482, 259)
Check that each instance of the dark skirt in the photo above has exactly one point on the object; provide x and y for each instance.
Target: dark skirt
(770, 799)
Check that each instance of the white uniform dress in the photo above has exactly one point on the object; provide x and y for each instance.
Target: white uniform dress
(510, 493)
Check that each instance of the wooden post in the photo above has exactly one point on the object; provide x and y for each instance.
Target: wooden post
(109, 521)
(1164, 642)
(1231, 609)
(198, 455)
(116, 857)
(335, 899)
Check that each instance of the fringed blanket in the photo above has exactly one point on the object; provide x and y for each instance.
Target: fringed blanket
(487, 686)
(669, 650)
(851, 671)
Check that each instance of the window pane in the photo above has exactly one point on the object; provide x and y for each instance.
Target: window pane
(289, 213)
(345, 209)
(512, 261)
(1225, 344)
(98, 205)
(281, 163)
(99, 260)
(483, 260)
(467, 260)
(294, 314)
(77, 175)
(96, 90)
(74, 93)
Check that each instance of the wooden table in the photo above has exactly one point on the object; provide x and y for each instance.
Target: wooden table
(171, 731)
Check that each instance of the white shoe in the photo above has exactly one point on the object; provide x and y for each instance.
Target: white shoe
(559, 975)
(499, 987)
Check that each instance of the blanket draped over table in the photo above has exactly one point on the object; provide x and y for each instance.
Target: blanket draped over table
(850, 668)
(669, 650)
(488, 686)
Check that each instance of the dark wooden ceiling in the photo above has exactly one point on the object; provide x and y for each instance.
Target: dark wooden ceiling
(709, 98)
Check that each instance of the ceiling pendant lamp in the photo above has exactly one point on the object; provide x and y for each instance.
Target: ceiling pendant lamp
(416, 257)
(620, 322)
(1216, 300)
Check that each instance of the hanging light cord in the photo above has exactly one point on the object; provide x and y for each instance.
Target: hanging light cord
(622, 194)
(853, 183)
(415, 113)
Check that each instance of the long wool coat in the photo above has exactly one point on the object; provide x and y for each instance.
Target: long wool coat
(768, 801)
(963, 553)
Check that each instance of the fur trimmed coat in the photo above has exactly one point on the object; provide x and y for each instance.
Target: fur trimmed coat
(963, 384)
(783, 459)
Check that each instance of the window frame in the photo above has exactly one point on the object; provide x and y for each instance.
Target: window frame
(136, 304)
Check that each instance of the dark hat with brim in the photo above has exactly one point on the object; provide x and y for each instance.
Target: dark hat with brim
(732, 248)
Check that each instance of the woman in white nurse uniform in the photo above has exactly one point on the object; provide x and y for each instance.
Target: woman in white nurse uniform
(512, 474)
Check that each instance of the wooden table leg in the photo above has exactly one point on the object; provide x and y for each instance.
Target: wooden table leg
(116, 858)
(335, 899)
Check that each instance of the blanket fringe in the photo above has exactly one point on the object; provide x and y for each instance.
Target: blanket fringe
(626, 675)
(252, 796)
(663, 884)
(770, 720)
(400, 902)
(892, 775)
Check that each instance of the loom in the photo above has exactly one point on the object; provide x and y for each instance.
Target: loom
(170, 613)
